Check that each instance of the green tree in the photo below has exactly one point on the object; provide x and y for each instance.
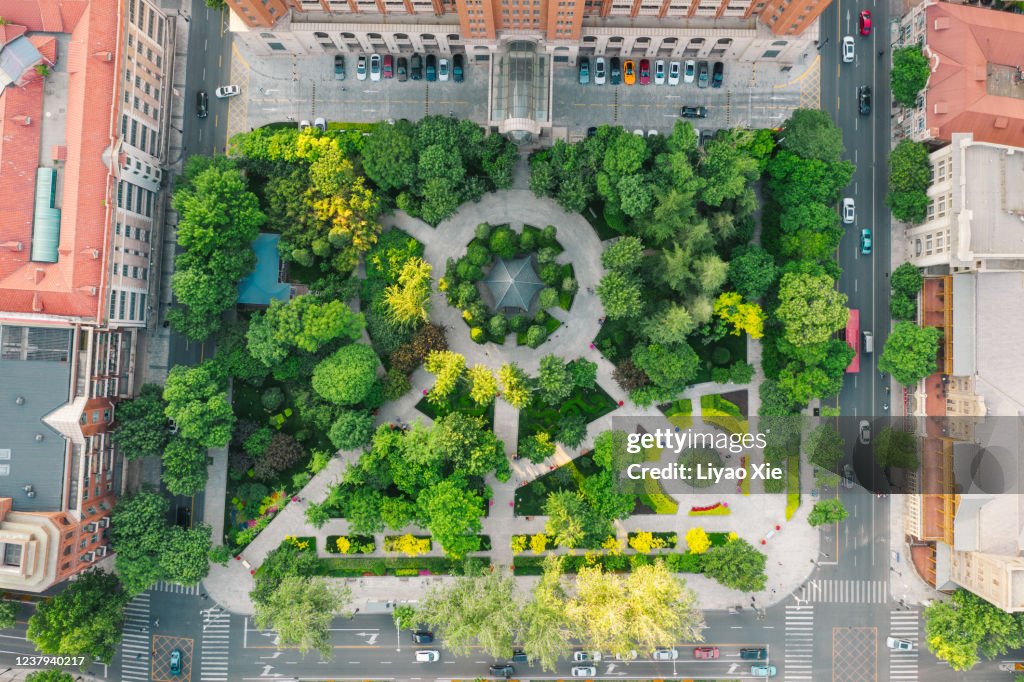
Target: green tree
(624, 254)
(185, 557)
(404, 616)
(909, 177)
(483, 385)
(303, 323)
(554, 380)
(8, 613)
(53, 674)
(736, 564)
(824, 447)
(910, 71)
(452, 512)
(85, 619)
(408, 301)
(447, 366)
(895, 448)
(810, 308)
(346, 377)
(300, 610)
(727, 171)
(546, 630)
(670, 367)
(141, 424)
(811, 134)
(389, 155)
(197, 401)
(906, 279)
(752, 271)
(515, 386)
(465, 443)
(827, 511)
(910, 352)
(184, 471)
(352, 429)
(957, 630)
(621, 296)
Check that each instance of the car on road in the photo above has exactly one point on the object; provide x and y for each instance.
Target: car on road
(763, 671)
(428, 656)
(202, 104)
(431, 68)
(693, 112)
(673, 73)
(864, 23)
(402, 69)
(849, 212)
(706, 652)
(689, 69)
(584, 671)
(503, 669)
(717, 75)
(175, 663)
(702, 75)
(847, 476)
(361, 68)
(629, 72)
(375, 62)
(582, 656)
(665, 654)
(865, 242)
(416, 67)
(849, 49)
(645, 71)
(422, 636)
(615, 71)
(389, 66)
(753, 653)
(303, 124)
(339, 67)
(639, 132)
(443, 70)
(659, 72)
(320, 123)
(584, 71)
(864, 100)
(458, 68)
(899, 644)
(652, 132)
(227, 91)
(600, 71)
(864, 432)
(519, 656)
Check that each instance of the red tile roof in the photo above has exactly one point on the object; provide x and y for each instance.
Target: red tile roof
(961, 42)
(64, 288)
(9, 32)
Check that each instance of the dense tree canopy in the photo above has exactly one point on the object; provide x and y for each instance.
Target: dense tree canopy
(810, 308)
(346, 377)
(909, 177)
(301, 610)
(960, 629)
(736, 564)
(197, 401)
(141, 424)
(910, 71)
(910, 352)
(827, 511)
(302, 323)
(811, 134)
(84, 619)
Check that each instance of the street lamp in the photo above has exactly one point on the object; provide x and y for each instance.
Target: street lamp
(822, 44)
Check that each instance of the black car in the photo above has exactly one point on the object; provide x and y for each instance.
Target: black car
(183, 517)
(615, 71)
(339, 67)
(402, 69)
(705, 137)
(458, 67)
(202, 104)
(416, 67)
(864, 100)
(431, 68)
(422, 636)
(591, 131)
(694, 112)
(717, 75)
(503, 669)
(702, 75)
(754, 654)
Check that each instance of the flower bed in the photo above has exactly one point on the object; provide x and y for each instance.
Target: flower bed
(645, 542)
(351, 544)
(410, 545)
(716, 509)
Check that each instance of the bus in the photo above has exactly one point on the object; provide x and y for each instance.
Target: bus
(853, 340)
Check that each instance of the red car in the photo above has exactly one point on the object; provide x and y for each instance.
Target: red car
(706, 652)
(865, 23)
(389, 69)
(645, 71)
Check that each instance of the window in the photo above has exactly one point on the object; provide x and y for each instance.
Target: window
(142, 306)
(159, 35)
(113, 300)
(134, 133)
(5, 469)
(275, 46)
(12, 555)
(96, 417)
(120, 309)
(120, 192)
(124, 270)
(131, 307)
(135, 271)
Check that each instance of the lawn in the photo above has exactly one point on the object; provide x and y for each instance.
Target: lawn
(593, 404)
(458, 402)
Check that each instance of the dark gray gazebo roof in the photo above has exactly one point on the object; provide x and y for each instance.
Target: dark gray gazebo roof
(513, 283)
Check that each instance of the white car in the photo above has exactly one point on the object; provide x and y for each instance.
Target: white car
(584, 671)
(899, 644)
(864, 432)
(442, 70)
(361, 68)
(227, 91)
(375, 62)
(652, 132)
(639, 132)
(673, 73)
(689, 69)
(849, 49)
(665, 654)
(428, 656)
(600, 71)
(659, 72)
(848, 210)
(582, 656)
(320, 123)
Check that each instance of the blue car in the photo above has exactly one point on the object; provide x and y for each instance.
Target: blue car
(176, 662)
(865, 242)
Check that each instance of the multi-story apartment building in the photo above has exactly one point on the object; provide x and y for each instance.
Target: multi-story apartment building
(976, 83)
(83, 116)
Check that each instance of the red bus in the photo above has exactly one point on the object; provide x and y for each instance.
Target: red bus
(853, 339)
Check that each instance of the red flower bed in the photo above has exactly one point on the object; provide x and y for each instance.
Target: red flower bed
(716, 505)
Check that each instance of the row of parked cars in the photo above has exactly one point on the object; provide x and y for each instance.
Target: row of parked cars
(378, 66)
(616, 72)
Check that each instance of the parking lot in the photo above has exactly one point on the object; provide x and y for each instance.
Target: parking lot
(303, 88)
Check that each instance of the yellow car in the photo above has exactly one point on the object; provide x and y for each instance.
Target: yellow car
(629, 72)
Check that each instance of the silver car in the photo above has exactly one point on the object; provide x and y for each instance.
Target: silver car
(600, 73)
(375, 62)
(665, 654)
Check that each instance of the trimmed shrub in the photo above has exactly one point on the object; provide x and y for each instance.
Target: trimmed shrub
(483, 231)
(478, 335)
(548, 297)
(536, 335)
(498, 326)
(272, 399)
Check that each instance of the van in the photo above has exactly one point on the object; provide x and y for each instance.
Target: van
(754, 653)
(869, 342)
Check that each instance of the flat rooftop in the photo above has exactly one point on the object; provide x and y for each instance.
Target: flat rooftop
(994, 198)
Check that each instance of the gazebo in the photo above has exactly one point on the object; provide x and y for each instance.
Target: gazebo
(513, 283)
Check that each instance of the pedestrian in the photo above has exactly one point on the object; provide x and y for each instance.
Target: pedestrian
(156, 623)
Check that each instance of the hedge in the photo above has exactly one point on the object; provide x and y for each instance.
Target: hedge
(346, 567)
(678, 562)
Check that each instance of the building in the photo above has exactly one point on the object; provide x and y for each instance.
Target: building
(975, 210)
(976, 84)
(83, 117)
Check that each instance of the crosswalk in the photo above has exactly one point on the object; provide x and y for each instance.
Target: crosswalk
(845, 591)
(799, 653)
(135, 658)
(903, 664)
(176, 589)
(214, 655)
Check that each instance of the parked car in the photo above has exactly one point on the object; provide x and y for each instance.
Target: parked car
(202, 104)
(422, 636)
(584, 671)
(864, 100)
(717, 75)
(694, 112)
(652, 132)
(849, 49)
(762, 671)
(227, 91)
(375, 63)
(389, 66)
(339, 67)
(689, 70)
(503, 669)
(865, 242)
(665, 654)
(519, 656)
(458, 68)
(591, 131)
(581, 656)
(361, 68)
(645, 71)
(705, 137)
(443, 70)
(673, 73)
(402, 69)
(864, 23)
(303, 124)
(702, 75)
(615, 70)
(899, 644)
(584, 70)
(428, 656)
(175, 664)
(600, 73)
(320, 123)
(659, 72)
(753, 653)
(431, 68)
(706, 652)
(416, 67)
(639, 132)
(849, 211)
(629, 72)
